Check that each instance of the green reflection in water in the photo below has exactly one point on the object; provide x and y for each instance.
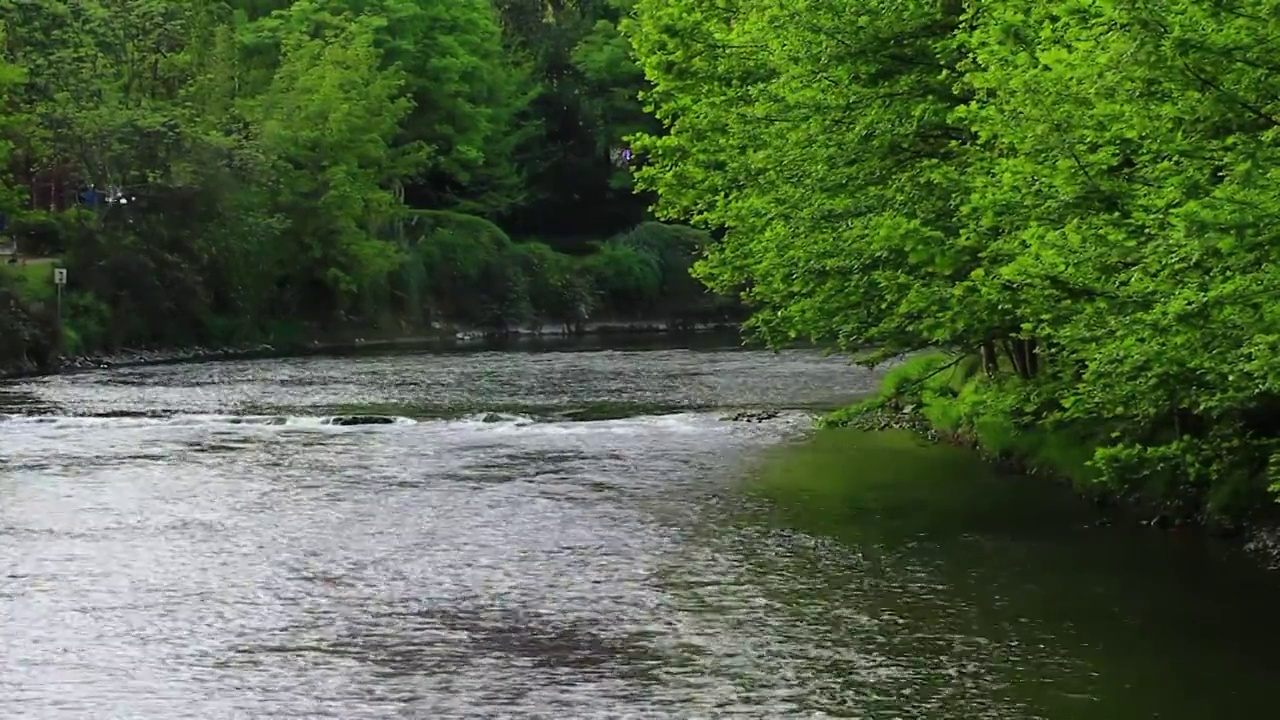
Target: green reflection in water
(1067, 616)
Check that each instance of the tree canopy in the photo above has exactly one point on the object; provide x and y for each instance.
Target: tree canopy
(1082, 193)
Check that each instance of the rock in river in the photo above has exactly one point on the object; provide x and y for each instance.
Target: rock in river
(753, 416)
(363, 420)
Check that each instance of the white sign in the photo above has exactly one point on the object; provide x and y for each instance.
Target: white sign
(60, 276)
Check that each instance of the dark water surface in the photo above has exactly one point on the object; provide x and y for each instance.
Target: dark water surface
(572, 534)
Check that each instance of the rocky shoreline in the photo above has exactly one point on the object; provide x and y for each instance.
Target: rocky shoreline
(451, 337)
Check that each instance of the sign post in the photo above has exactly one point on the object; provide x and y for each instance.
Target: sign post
(59, 280)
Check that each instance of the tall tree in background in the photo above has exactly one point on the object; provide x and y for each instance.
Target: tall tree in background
(466, 93)
(585, 107)
(328, 121)
(11, 77)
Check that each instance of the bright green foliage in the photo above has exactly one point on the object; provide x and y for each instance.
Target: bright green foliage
(465, 93)
(1081, 193)
(788, 115)
(328, 120)
(11, 76)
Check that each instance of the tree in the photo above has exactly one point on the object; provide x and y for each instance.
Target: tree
(585, 104)
(1078, 193)
(1140, 226)
(465, 92)
(328, 122)
(11, 77)
(825, 152)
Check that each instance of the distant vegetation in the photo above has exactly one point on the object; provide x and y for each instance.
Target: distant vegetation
(223, 172)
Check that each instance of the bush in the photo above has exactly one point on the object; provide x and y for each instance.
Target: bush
(141, 283)
(462, 267)
(32, 282)
(628, 279)
(458, 258)
(89, 321)
(951, 393)
(24, 335)
(559, 289)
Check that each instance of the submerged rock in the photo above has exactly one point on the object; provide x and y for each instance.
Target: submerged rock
(1264, 544)
(363, 420)
(753, 416)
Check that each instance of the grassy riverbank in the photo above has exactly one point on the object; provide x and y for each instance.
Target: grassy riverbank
(948, 397)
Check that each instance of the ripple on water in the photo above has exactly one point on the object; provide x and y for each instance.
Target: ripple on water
(184, 559)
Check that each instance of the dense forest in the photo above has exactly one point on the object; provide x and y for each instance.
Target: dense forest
(217, 172)
(1077, 200)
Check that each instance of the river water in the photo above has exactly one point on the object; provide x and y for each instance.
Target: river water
(573, 533)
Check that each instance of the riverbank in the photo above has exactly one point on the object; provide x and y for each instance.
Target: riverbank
(483, 285)
(945, 398)
(442, 337)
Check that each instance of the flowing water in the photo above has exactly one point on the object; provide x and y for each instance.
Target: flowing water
(573, 533)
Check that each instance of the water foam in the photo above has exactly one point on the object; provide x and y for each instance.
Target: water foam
(496, 421)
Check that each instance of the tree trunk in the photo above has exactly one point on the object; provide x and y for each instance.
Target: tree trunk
(1015, 357)
(990, 363)
(1021, 353)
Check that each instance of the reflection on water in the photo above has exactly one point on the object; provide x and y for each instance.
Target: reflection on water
(1007, 581)
(199, 542)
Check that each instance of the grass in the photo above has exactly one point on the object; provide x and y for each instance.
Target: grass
(957, 399)
(34, 280)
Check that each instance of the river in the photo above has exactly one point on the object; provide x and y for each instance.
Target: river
(574, 532)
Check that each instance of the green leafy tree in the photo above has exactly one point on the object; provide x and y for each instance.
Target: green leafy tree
(11, 77)
(1138, 227)
(826, 153)
(1079, 194)
(466, 92)
(328, 121)
(584, 105)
